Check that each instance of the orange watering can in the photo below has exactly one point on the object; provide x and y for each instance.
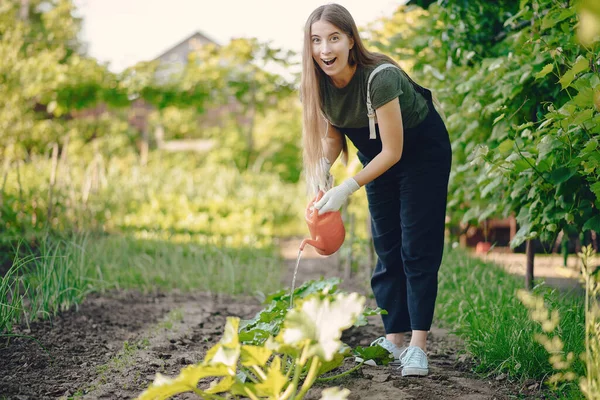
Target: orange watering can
(327, 231)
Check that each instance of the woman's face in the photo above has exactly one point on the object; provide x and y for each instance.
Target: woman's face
(331, 48)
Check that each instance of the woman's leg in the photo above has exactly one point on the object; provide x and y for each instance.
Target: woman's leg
(419, 339)
(388, 280)
(424, 188)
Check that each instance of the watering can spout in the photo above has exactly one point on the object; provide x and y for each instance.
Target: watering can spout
(312, 242)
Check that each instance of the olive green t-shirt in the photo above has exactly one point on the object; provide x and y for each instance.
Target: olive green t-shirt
(347, 107)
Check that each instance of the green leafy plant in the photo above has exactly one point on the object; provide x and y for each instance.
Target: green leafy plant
(284, 366)
(518, 90)
(269, 321)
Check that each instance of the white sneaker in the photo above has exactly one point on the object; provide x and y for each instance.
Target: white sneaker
(414, 362)
(389, 346)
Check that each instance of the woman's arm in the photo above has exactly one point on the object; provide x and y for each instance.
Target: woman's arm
(389, 118)
(333, 143)
(392, 140)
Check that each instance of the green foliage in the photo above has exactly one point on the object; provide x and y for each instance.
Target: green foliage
(68, 148)
(34, 52)
(479, 302)
(266, 357)
(269, 321)
(70, 165)
(375, 353)
(49, 86)
(518, 92)
(588, 30)
(173, 195)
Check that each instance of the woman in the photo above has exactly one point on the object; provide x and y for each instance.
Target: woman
(406, 164)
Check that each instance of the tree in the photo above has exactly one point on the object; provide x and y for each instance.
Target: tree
(519, 94)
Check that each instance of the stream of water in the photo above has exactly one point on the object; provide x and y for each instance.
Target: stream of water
(294, 280)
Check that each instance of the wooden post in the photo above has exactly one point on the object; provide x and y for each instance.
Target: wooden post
(52, 182)
(250, 129)
(19, 183)
(4, 178)
(144, 145)
(371, 248)
(24, 11)
(62, 162)
(530, 252)
(342, 259)
(348, 263)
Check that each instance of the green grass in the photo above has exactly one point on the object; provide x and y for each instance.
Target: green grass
(60, 273)
(122, 262)
(478, 301)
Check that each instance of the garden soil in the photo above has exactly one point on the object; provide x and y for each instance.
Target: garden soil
(111, 346)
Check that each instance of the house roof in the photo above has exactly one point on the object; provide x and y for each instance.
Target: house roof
(196, 35)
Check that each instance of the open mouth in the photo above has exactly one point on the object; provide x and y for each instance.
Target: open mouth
(330, 61)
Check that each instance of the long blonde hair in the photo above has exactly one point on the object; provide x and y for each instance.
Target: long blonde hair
(314, 126)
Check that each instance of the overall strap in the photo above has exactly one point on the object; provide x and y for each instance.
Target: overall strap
(370, 111)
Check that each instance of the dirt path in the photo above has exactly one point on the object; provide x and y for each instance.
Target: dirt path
(111, 347)
(547, 267)
(114, 344)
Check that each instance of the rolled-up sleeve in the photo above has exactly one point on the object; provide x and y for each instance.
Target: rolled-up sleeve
(386, 86)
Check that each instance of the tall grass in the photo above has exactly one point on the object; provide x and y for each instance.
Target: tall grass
(478, 301)
(58, 278)
(60, 273)
(52, 278)
(124, 262)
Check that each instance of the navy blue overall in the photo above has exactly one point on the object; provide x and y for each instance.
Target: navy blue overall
(408, 208)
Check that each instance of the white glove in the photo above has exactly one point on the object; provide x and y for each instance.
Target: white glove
(326, 180)
(334, 198)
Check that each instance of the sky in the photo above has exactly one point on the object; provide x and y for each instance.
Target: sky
(124, 32)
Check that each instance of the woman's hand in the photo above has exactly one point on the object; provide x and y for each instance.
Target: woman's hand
(334, 198)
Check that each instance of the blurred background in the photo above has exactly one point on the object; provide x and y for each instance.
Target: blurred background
(132, 126)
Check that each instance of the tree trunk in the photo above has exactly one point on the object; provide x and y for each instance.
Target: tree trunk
(530, 251)
(513, 227)
(558, 241)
